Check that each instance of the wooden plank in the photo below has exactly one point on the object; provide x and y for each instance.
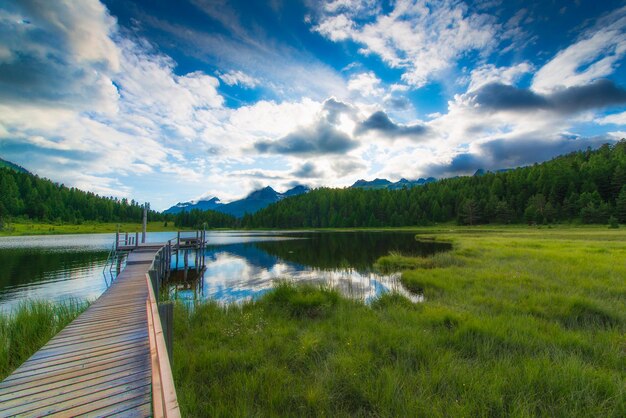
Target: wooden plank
(68, 377)
(74, 333)
(53, 390)
(137, 407)
(80, 358)
(80, 341)
(87, 348)
(103, 326)
(86, 402)
(64, 365)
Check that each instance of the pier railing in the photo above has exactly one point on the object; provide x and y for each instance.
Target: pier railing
(160, 327)
(126, 240)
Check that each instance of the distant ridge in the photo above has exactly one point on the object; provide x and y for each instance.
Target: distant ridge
(377, 184)
(13, 166)
(255, 201)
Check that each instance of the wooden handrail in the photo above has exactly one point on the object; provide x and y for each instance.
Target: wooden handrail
(164, 401)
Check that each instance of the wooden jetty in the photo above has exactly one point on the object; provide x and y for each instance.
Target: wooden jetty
(110, 361)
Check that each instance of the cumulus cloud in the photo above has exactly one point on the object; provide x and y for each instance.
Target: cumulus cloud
(58, 53)
(597, 95)
(489, 73)
(319, 139)
(365, 84)
(522, 150)
(380, 123)
(307, 170)
(595, 55)
(419, 37)
(616, 119)
(348, 166)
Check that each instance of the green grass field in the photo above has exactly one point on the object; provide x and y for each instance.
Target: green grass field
(516, 321)
(36, 228)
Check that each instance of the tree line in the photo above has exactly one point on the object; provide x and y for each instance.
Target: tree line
(585, 186)
(27, 196)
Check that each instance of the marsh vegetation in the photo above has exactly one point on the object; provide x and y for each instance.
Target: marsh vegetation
(29, 327)
(515, 321)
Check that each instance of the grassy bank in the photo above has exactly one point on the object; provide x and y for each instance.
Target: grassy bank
(35, 228)
(29, 328)
(519, 321)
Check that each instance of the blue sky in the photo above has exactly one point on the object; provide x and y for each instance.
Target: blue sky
(173, 101)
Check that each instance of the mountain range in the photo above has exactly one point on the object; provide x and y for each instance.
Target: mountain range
(264, 197)
(252, 203)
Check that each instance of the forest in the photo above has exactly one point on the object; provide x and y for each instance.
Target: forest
(585, 186)
(27, 196)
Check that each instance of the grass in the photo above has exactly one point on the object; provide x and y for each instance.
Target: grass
(516, 322)
(37, 228)
(30, 327)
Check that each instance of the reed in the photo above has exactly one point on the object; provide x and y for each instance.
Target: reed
(29, 327)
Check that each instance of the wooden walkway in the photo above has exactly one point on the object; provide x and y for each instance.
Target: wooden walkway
(100, 364)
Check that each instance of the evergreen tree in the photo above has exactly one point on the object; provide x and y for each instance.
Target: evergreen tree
(620, 205)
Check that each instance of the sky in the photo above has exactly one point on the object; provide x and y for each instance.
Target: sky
(168, 101)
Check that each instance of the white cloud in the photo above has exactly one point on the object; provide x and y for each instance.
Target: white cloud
(420, 37)
(239, 78)
(289, 72)
(616, 119)
(489, 73)
(366, 84)
(594, 56)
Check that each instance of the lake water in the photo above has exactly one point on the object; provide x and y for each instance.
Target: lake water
(240, 265)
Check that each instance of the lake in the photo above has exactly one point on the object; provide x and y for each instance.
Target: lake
(241, 265)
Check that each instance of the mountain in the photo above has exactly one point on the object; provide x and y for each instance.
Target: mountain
(12, 166)
(374, 184)
(252, 203)
(378, 184)
(210, 204)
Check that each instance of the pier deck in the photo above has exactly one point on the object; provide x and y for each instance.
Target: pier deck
(100, 364)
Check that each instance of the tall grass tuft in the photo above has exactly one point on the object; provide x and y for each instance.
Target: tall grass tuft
(303, 301)
(30, 327)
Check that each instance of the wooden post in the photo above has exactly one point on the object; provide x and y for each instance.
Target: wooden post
(144, 227)
(166, 313)
(136, 239)
(117, 240)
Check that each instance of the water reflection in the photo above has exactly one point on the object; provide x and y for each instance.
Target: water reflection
(47, 274)
(240, 265)
(244, 271)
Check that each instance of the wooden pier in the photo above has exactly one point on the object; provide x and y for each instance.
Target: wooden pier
(110, 361)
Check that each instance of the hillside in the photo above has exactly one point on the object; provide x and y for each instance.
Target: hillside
(12, 166)
(585, 186)
(27, 196)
